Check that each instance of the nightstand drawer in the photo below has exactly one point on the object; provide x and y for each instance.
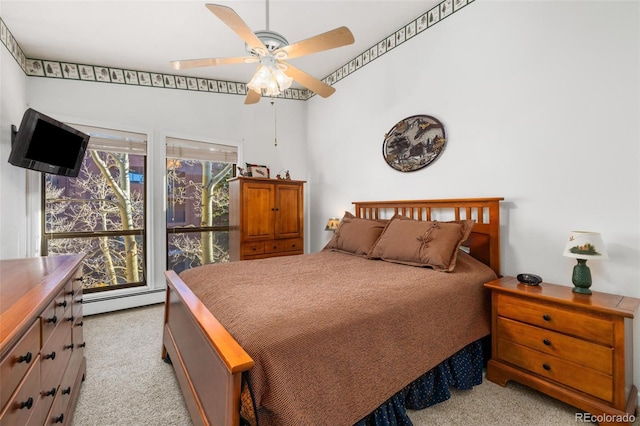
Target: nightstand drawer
(591, 355)
(594, 327)
(567, 373)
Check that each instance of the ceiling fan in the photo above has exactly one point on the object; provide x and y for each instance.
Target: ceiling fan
(271, 49)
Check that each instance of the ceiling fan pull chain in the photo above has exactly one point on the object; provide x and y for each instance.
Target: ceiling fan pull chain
(275, 122)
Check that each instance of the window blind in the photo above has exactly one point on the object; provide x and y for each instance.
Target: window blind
(114, 140)
(204, 151)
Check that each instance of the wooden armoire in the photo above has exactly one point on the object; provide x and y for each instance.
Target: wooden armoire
(266, 218)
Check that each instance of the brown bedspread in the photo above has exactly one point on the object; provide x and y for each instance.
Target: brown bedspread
(333, 335)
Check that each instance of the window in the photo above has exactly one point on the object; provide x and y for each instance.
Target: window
(198, 202)
(101, 213)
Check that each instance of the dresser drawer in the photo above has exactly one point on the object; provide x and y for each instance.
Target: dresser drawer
(277, 246)
(18, 361)
(76, 282)
(68, 292)
(24, 408)
(591, 355)
(551, 367)
(67, 392)
(589, 326)
(55, 356)
(252, 248)
(77, 335)
(53, 314)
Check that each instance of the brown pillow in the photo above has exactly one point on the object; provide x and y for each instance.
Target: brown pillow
(422, 243)
(355, 235)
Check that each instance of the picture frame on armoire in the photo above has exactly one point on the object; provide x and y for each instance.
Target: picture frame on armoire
(258, 171)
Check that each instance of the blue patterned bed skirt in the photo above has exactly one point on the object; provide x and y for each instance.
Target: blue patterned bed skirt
(462, 370)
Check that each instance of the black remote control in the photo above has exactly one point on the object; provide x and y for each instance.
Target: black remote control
(529, 279)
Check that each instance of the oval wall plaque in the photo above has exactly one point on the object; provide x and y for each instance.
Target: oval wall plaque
(414, 143)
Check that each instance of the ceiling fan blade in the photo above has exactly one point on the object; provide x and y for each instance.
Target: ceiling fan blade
(253, 97)
(208, 62)
(308, 81)
(235, 22)
(330, 40)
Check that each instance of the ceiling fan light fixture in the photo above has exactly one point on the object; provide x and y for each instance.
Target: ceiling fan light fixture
(271, 79)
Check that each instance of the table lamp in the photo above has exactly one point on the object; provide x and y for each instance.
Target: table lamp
(332, 224)
(583, 246)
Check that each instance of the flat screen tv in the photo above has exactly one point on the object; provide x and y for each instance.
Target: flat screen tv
(47, 145)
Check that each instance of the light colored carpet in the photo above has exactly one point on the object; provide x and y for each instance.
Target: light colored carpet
(128, 384)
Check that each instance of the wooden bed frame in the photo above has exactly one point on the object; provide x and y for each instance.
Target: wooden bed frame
(209, 362)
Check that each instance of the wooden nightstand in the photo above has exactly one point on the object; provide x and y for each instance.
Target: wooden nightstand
(574, 347)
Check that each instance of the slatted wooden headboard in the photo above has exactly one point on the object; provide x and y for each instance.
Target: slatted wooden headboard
(484, 241)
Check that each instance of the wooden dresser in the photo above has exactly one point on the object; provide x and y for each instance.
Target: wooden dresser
(574, 347)
(42, 361)
(266, 218)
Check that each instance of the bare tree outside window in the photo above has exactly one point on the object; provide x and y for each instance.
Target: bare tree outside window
(101, 214)
(197, 212)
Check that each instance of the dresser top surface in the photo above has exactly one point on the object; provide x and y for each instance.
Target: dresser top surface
(26, 286)
(601, 302)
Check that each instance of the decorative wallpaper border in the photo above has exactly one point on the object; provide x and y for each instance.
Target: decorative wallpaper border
(74, 71)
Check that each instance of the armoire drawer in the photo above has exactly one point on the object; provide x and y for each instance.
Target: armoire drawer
(277, 246)
(252, 248)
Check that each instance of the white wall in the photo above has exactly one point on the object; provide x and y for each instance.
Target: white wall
(540, 101)
(13, 210)
(545, 116)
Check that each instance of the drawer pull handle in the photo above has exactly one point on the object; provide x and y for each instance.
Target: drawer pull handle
(70, 318)
(254, 248)
(68, 346)
(53, 319)
(70, 293)
(25, 358)
(546, 317)
(26, 404)
(80, 324)
(52, 392)
(66, 391)
(59, 419)
(546, 366)
(63, 304)
(82, 345)
(52, 355)
(547, 342)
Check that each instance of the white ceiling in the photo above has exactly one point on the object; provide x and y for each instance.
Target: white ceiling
(146, 35)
